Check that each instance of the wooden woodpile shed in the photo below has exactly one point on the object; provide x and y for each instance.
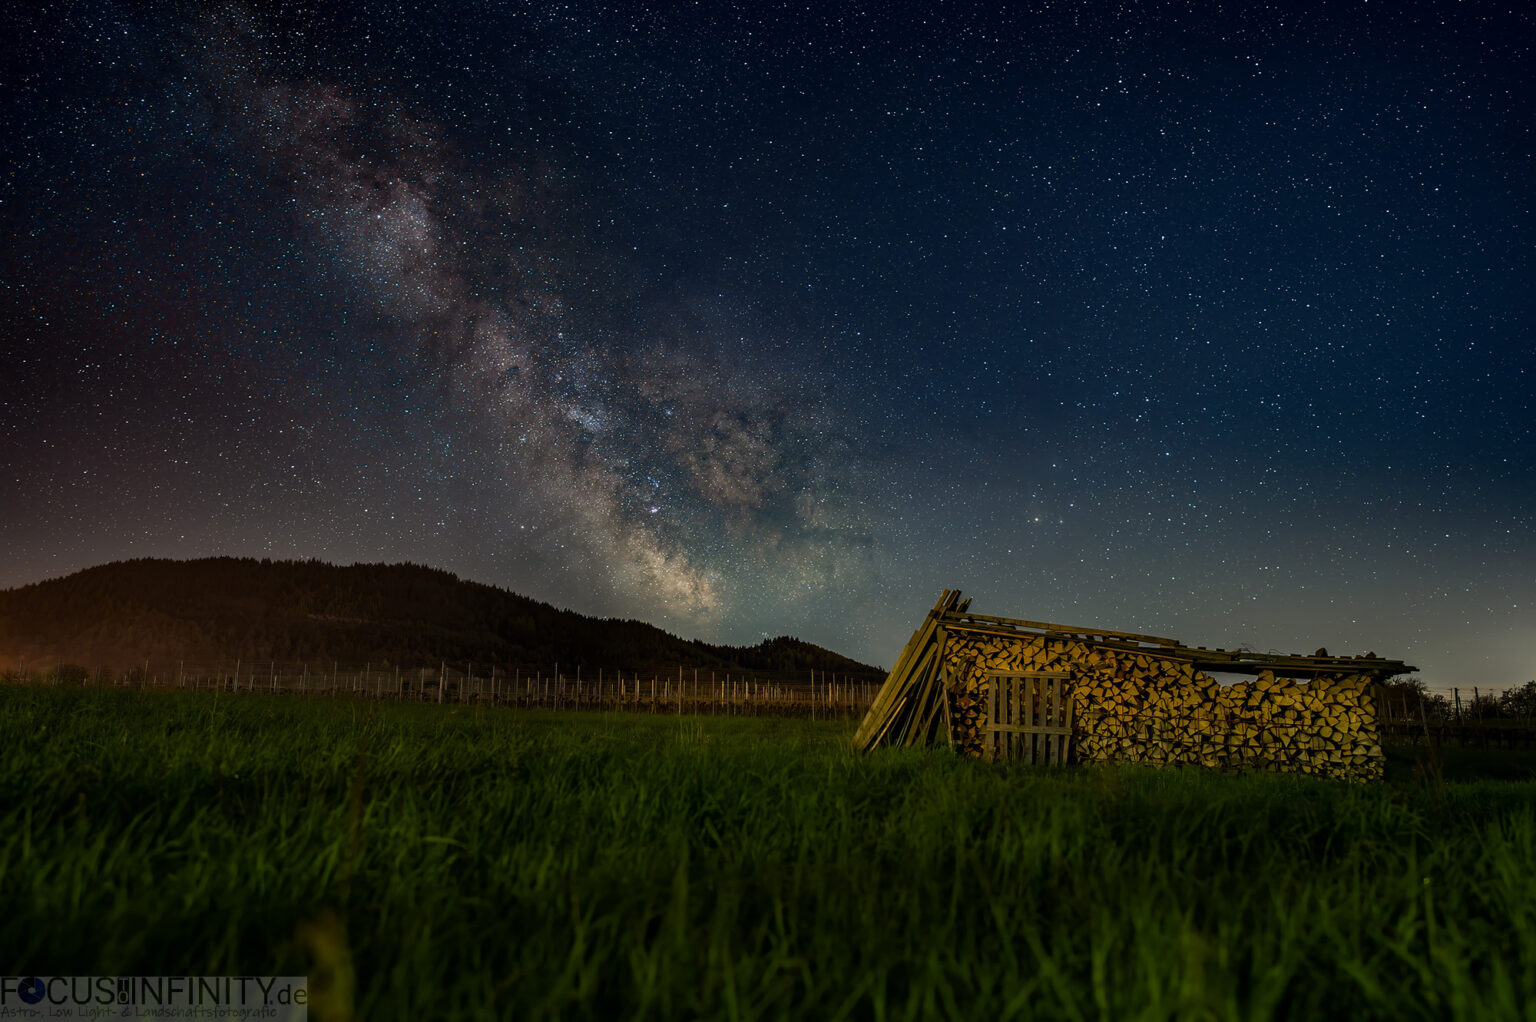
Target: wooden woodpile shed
(1004, 688)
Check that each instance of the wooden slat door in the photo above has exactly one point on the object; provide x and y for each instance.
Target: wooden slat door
(1029, 717)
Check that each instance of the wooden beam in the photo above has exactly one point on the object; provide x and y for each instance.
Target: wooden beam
(1046, 626)
(1232, 661)
(877, 718)
(933, 696)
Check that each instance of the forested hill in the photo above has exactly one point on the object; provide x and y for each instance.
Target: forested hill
(119, 614)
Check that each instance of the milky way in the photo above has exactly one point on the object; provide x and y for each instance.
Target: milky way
(750, 320)
(580, 432)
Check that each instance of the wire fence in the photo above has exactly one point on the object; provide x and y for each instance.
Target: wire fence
(1481, 718)
(808, 693)
(1502, 719)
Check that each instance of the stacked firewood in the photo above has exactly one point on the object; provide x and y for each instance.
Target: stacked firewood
(969, 656)
(1131, 706)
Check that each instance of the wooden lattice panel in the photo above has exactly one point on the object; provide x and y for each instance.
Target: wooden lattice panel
(1029, 718)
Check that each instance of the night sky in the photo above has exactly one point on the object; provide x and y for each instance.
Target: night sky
(747, 319)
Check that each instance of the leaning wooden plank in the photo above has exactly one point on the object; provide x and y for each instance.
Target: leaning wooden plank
(901, 679)
(938, 706)
(933, 696)
(885, 700)
(915, 731)
(919, 636)
(907, 708)
(900, 697)
(902, 712)
(922, 641)
(949, 722)
(897, 680)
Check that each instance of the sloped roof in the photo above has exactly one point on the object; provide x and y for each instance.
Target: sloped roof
(910, 708)
(1237, 661)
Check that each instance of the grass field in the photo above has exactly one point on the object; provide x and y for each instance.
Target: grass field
(460, 863)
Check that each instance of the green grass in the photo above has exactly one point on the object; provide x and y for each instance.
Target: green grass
(488, 863)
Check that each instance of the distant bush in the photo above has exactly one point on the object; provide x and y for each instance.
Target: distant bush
(72, 675)
(1411, 693)
(1518, 702)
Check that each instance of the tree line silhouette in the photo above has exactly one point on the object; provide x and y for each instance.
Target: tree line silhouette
(121, 614)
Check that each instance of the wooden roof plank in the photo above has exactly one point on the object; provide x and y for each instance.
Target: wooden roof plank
(1234, 661)
(1046, 626)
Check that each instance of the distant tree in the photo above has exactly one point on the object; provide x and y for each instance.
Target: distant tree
(1408, 694)
(1438, 707)
(1482, 706)
(1519, 702)
(70, 674)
